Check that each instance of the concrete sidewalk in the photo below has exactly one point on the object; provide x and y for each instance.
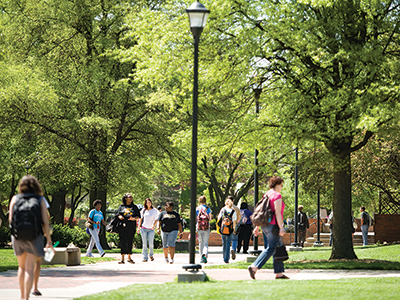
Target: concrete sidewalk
(72, 282)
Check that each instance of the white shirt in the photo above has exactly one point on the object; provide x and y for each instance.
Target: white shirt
(228, 210)
(148, 216)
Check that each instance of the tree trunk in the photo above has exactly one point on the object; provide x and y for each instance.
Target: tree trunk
(57, 207)
(342, 225)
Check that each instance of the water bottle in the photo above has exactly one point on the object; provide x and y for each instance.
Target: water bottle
(50, 252)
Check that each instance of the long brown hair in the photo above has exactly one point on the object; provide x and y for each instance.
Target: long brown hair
(151, 205)
(29, 185)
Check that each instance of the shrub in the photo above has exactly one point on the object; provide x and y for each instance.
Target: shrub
(113, 238)
(66, 235)
(213, 224)
(5, 236)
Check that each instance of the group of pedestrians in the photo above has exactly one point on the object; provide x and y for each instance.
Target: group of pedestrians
(234, 225)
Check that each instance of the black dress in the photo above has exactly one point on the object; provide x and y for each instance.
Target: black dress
(127, 228)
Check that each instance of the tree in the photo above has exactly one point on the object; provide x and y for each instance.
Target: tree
(332, 67)
(84, 93)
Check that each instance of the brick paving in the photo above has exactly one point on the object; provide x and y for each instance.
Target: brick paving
(76, 281)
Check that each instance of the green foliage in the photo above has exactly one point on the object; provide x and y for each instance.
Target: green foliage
(213, 224)
(66, 235)
(113, 238)
(5, 236)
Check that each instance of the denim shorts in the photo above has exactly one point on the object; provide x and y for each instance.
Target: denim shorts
(169, 238)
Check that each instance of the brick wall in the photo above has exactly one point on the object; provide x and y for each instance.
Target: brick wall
(387, 228)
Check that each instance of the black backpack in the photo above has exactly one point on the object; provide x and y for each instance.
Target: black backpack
(26, 222)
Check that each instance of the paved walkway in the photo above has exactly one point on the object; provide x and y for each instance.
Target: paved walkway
(72, 282)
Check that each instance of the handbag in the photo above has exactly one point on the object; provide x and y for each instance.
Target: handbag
(89, 225)
(113, 227)
(281, 253)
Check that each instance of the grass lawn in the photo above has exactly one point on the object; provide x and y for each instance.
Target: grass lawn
(371, 258)
(8, 261)
(365, 288)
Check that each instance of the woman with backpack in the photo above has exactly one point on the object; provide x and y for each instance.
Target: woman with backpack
(227, 220)
(246, 227)
(27, 238)
(203, 214)
(274, 231)
(147, 225)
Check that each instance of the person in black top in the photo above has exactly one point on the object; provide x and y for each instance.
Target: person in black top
(128, 214)
(170, 223)
(303, 225)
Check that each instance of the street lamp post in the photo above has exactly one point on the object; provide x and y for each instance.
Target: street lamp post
(197, 17)
(257, 93)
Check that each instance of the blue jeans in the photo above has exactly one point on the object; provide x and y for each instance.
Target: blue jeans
(265, 240)
(226, 245)
(364, 230)
(147, 235)
(235, 238)
(203, 236)
(272, 233)
(169, 238)
(94, 239)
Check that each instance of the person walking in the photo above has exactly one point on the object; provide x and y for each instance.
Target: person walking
(229, 214)
(274, 231)
(170, 223)
(203, 215)
(36, 272)
(246, 228)
(95, 217)
(29, 249)
(330, 222)
(128, 214)
(147, 225)
(365, 223)
(303, 225)
(235, 236)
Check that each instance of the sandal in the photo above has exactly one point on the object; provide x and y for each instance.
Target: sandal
(121, 262)
(37, 293)
(131, 261)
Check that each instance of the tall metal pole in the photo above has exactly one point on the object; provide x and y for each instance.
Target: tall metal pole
(318, 218)
(296, 198)
(193, 183)
(257, 92)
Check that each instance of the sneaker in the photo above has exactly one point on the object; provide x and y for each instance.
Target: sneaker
(204, 258)
(171, 261)
(89, 255)
(233, 254)
(166, 260)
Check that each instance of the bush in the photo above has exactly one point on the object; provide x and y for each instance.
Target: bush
(213, 224)
(113, 238)
(5, 236)
(66, 235)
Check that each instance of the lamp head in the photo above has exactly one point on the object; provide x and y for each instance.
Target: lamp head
(197, 17)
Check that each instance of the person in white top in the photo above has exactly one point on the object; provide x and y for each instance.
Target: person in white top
(147, 225)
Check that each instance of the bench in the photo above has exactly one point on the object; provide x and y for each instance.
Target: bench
(70, 256)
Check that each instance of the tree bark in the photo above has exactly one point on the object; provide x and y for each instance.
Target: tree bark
(342, 226)
(57, 207)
